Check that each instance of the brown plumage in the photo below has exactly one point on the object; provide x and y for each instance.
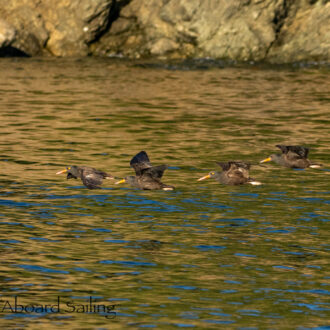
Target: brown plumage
(292, 156)
(90, 177)
(233, 173)
(147, 177)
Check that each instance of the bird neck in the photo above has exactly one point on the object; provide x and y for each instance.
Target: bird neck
(279, 159)
(219, 176)
(132, 180)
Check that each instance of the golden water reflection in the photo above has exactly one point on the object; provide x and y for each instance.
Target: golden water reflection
(205, 255)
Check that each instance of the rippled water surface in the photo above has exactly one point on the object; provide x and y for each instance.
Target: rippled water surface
(205, 255)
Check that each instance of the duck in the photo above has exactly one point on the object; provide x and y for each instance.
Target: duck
(233, 173)
(147, 177)
(292, 157)
(90, 177)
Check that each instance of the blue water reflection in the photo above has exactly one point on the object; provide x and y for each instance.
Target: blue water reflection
(204, 256)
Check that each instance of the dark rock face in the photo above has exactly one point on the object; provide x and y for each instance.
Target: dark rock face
(272, 30)
(60, 28)
(305, 34)
(180, 28)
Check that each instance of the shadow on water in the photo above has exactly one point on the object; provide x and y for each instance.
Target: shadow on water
(204, 255)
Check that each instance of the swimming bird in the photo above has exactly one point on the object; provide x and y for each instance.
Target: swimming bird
(90, 177)
(233, 173)
(292, 156)
(147, 176)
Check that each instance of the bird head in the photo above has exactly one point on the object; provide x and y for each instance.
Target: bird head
(72, 172)
(212, 174)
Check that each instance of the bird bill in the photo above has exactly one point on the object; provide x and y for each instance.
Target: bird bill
(204, 177)
(266, 160)
(121, 181)
(61, 172)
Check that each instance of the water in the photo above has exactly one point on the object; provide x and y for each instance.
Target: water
(205, 255)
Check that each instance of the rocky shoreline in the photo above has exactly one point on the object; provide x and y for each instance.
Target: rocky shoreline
(274, 31)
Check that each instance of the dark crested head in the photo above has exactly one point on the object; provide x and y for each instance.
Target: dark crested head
(72, 172)
(212, 174)
(277, 158)
(131, 180)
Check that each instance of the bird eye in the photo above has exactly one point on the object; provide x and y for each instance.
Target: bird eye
(212, 173)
